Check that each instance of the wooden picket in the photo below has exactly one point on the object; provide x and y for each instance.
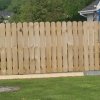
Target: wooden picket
(80, 35)
(8, 48)
(20, 48)
(48, 46)
(29, 48)
(37, 47)
(54, 46)
(70, 46)
(76, 45)
(91, 45)
(26, 49)
(43, 45)
(96, 41)
(3, 49)
(59, 47)
(65, 52)
(14, 50)
(86, 43)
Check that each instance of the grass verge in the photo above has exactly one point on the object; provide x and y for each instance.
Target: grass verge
(72, 88)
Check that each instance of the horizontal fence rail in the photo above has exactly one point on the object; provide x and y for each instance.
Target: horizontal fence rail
(49, 47)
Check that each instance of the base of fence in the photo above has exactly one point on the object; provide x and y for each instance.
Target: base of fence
(52, 75)
(90, 73)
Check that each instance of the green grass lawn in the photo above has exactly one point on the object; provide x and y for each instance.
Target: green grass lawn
(72, 88)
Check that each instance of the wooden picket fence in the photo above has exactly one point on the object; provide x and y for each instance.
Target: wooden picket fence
(29, 48)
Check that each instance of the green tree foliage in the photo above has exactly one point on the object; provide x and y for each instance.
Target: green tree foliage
(47, 10)
(1, 19)
(4, 4)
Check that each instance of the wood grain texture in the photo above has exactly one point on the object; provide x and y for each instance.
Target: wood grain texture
(20, 49)
(48, 47)
(59, 47)
(96, 41)
(81, 49)
(91, 45)
(76, 46)
(37, 47)
(3, 49)
(70, 47)
(31, 48)
(14, 48)
(54, 46)
(64, 46)
(26, 48)
(8, 49)
(43, 47)
(86, 44)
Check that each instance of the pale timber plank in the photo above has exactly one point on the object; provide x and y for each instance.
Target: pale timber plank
(54, 46)
(91, 45)
(43, 47)
(70, 47)
(48, 47)
(64, 40)
(8, 49)
(96, 41)
(59, 47)
(20, 48)
(76, 45)
(14, 48)
(31, 48)
(80, 34)
(86, 43)
(3, 50)
(26, 48)
(37, 47)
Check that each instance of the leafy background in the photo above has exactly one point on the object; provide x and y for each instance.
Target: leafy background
(44, 10)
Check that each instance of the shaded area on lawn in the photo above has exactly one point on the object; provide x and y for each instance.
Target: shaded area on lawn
(72, 88)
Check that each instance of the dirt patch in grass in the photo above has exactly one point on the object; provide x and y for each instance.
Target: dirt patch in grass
(8, 89)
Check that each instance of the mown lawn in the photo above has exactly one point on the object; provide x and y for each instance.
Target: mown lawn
(72, 88)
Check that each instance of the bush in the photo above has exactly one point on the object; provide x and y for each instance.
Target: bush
(47, 10)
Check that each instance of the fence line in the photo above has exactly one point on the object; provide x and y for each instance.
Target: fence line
(29, 48)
